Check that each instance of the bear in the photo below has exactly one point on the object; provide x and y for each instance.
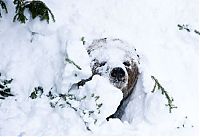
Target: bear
(118, 61)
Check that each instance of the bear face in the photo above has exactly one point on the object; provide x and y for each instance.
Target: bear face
(117, 61)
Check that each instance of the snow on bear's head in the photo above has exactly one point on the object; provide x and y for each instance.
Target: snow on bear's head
(116, 60)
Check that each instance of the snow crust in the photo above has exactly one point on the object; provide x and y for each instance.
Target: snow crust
(38, 59)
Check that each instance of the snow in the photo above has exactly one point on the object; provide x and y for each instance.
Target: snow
(38, 59)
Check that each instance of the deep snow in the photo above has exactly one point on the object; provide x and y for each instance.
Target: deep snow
(169, 54)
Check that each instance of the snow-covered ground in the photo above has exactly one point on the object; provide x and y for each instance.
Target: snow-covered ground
(38, 59)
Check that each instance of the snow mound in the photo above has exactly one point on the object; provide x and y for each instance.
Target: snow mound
(105, 102)
(36, 117)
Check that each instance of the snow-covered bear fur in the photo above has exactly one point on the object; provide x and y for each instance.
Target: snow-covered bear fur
(117, 61)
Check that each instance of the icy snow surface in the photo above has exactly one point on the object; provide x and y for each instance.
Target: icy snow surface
(38, 59)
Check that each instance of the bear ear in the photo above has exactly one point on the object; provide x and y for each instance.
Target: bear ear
(126, 63)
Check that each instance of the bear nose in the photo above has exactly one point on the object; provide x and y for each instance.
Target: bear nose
(117, 73)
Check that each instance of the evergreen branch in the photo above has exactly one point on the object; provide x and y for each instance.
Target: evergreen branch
(72, 62)
(186, 27)
(37, 92)
(19, 10)
(154, 87)
(35, 7)
(3, 6)
(5, 90)
(5, 82)
(83, 40)
(75, 102)
(39, 8)
(5, 94)
(50, 95)
(197, 32)
(2, 98)
(164, 92)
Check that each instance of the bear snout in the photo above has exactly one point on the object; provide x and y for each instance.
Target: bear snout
(117, 73)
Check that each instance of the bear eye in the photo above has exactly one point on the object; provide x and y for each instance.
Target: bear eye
(98, 64)
(126, 63)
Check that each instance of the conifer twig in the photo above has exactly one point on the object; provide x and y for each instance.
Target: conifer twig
(3, 6)
(72, 62)
(83, 40)
(164, 92)
(5, 90)
(186, 27)
(36, 8)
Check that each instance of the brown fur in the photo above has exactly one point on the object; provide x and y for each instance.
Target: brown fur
(133, 73)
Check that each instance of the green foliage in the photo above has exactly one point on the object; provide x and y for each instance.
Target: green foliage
(50, 95)
(67, 98)
(165, 93)
(72, 62)
(181, 27)
(186, 27)
(3, 7)
(197, 32)
(71, 100)
(35, 7)
(39, 8)
(5, 90)
(83, 40)
(37, 92)
(20, 8)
